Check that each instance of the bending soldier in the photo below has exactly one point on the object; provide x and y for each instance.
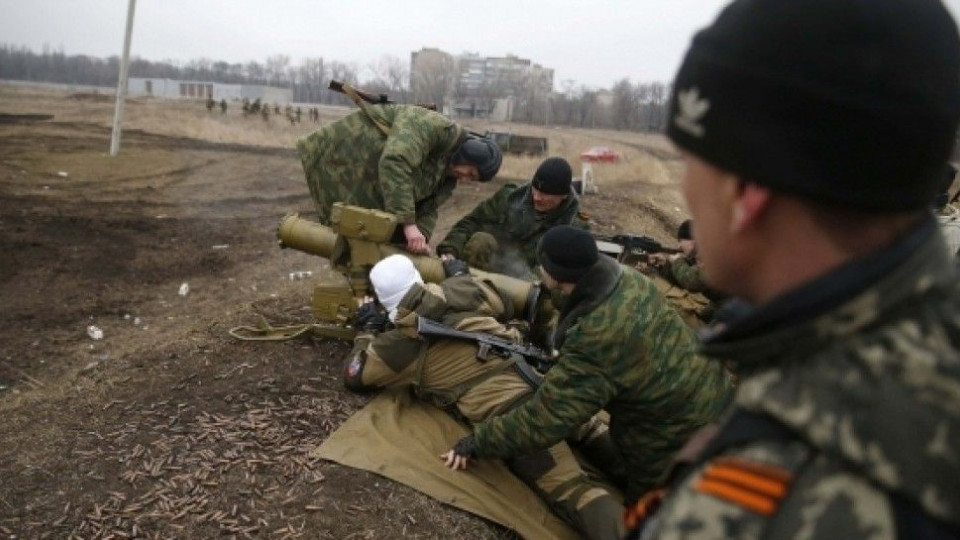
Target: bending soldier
(447, 373)
(621, 349)
(404, 159)
(501, 233)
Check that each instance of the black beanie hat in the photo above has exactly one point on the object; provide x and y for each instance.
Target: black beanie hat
(566, 253)
(851, 102)
(553, 176)
(480, 152)
(685, 231)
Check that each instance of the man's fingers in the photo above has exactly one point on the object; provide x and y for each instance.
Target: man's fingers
(454, 461)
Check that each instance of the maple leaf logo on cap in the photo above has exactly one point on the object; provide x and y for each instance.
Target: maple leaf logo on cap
(692, 111)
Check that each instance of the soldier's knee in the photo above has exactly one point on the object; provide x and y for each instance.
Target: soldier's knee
(480, 249)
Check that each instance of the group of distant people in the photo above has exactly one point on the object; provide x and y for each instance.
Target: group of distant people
(821, 399)
(292, 114)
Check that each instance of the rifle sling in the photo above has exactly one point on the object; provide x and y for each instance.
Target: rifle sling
(348, 90)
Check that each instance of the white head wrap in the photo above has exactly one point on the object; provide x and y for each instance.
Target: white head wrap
(392, 278)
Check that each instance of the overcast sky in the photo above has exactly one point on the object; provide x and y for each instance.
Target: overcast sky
(594, 43)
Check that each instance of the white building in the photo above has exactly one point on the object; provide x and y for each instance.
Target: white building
(171, 88)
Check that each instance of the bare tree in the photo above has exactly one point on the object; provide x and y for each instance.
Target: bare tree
(433, 80)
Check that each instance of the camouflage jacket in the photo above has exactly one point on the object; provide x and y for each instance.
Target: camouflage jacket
(510, 217)
(870, 385)
(685, 273)
(443, 371)
(404, 173)
(622, 349)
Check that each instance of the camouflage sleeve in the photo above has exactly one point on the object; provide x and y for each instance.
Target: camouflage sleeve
(407, 145)
(485, 213)
(796, 500)
(581, 221)
(381, 361)
(687, 275)
(573, 391)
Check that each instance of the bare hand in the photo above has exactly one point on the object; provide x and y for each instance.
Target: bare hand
(454, 461)
(658, 259)
(416, 241)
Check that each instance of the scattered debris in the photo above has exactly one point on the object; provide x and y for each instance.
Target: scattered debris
(184, 289)
(300, 274)
(221, 246)
(95, 332)
(62, 174)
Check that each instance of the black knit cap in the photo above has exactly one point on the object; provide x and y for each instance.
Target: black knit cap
(567, 253)
(553, 176)
(851, 102)
(685, 230)
(480, 152)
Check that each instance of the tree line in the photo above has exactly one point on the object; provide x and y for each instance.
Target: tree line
(626, 106)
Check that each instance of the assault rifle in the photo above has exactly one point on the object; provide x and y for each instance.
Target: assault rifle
(534, 355)
(629, 248)
(645, 244)
(345, 88)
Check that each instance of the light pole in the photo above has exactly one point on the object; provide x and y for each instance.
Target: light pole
(122, 83)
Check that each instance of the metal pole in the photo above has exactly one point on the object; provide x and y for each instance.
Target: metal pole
(122, 83)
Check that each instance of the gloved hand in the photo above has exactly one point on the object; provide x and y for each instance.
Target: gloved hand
(455, 267)
(459, 457)
(369, 318)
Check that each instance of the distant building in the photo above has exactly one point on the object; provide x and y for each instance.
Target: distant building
(471, 84)
(171, 88)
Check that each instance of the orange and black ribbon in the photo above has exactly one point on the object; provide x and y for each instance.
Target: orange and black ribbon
(756, 487)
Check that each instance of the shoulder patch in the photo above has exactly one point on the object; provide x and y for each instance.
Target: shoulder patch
(756, 487)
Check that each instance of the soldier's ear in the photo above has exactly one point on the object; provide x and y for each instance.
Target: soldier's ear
(749, 202)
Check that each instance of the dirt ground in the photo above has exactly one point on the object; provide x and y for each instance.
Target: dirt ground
(167, 427)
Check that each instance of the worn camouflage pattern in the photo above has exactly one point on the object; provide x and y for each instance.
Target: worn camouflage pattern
(686, 274)
(622, 349)
(447, 373)
(512, 231)
(872, 386)
(404, 172)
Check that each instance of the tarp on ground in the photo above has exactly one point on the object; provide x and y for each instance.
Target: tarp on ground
(401, 438)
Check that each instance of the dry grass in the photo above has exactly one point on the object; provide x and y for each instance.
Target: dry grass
(646, 177)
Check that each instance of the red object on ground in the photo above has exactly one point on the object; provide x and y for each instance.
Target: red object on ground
(600, 154)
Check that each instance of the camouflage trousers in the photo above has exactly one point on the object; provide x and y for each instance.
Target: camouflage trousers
(574, 488)
(483, 252)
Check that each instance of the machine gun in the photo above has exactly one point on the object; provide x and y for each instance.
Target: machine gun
(367, 97)
(534, 356)
(357, 239)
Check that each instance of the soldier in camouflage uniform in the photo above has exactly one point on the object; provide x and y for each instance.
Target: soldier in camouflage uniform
(846, 421)
(448, 374)
(400, 158)
(501, 233)
(621, 349)
(683, 270)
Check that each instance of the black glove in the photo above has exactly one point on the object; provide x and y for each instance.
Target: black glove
(369, 318)
(455, 267)
(466, 447)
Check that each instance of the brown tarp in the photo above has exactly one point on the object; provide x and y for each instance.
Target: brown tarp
(400, 438)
